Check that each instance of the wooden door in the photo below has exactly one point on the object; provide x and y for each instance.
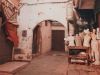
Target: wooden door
(36, 40)
(58, 40)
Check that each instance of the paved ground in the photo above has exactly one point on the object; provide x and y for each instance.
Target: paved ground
(81, 70)
(55, 63)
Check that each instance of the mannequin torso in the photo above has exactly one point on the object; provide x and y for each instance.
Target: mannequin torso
(94, 36)
(71, 41)
(81, 36)
(78, 40)
(86, 40)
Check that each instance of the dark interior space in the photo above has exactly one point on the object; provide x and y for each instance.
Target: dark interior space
(86, 20)
(36, 38)
(6, 46)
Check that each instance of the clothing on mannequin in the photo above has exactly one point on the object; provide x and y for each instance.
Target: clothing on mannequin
(94, 48)
(71, 40)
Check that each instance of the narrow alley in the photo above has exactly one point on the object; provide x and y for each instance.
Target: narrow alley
(52, 63)
(49, 37)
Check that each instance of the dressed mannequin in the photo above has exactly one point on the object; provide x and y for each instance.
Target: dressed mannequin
(78, 40)
(70, 39)
(94, 48)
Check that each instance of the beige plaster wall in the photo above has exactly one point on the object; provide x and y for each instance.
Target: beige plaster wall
(46, 37)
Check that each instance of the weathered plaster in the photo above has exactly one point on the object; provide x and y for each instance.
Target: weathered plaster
(46, 37)
(31, 15)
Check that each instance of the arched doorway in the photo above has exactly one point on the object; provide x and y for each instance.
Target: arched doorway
(48, 35)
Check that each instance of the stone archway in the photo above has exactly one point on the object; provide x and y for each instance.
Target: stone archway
(46, 35)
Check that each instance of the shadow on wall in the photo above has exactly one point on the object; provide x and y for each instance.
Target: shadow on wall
(6, 47)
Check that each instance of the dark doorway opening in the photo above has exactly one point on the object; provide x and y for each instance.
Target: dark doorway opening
(36, 46)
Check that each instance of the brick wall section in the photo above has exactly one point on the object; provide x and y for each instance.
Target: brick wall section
(5, 47)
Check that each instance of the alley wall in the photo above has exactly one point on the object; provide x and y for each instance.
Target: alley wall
(46, 37)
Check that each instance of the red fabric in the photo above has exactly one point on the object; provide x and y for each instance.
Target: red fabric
(10, 29)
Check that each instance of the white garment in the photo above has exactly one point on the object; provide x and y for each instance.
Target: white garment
(95, 51)
(71, 41)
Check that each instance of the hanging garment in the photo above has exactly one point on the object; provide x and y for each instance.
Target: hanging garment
(11, 25)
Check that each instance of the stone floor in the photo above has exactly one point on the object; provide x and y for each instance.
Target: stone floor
(81, 70)
(52, 63)
(55, 63)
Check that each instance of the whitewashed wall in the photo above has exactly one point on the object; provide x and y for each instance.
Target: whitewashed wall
(31, 15)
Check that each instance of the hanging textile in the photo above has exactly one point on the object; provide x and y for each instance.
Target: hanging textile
(11, 25)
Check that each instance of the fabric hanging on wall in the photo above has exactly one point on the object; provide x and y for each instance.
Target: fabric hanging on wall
(11, 25)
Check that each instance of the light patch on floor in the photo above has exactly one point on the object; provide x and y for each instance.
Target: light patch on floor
(11, 66)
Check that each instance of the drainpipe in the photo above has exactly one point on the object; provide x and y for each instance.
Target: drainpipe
(76, 3)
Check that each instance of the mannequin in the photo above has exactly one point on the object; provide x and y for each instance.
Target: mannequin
(87, 38)
(71, 40)
(94, 48)
(78, 40)
(81, 34)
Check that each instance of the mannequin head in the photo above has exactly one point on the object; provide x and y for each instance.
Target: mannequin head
(94, 31)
